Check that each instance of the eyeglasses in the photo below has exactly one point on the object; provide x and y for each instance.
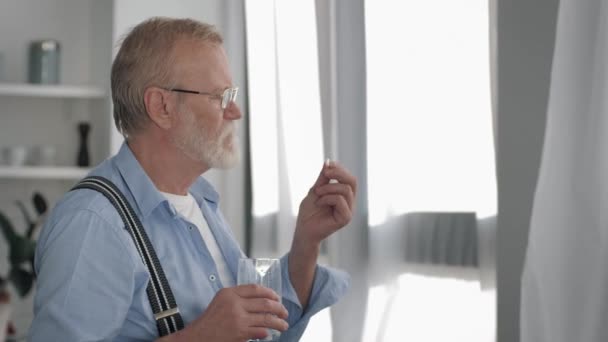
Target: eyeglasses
(229, 94)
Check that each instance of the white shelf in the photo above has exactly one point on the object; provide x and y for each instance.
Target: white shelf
(42, 172)
(54, 91)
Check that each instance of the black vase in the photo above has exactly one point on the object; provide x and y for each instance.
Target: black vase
(83, 151)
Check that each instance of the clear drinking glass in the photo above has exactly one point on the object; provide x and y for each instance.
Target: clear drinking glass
(265, 272)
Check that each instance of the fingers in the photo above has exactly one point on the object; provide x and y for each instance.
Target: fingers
(256, 291)
(264, 309)
(333, 171)
(268, 320)
(339, 173)
(257, 305)
(342, 212)
(239, 313)
(322, 179)
(346, 186)
(337, 189)
(257, 333)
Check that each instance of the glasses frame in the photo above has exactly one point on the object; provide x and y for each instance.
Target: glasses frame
(227, 96)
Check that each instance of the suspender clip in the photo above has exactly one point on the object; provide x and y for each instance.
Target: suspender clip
(166, 313)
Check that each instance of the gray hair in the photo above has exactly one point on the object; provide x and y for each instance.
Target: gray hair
(146, 59)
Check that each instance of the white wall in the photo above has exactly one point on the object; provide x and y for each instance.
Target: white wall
(526, 32)
(44, 121)
(86, 58)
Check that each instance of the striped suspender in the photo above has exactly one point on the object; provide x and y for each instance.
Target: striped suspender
(166, 312)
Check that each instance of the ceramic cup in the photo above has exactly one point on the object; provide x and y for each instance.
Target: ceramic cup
(44, 155)
(15, 155)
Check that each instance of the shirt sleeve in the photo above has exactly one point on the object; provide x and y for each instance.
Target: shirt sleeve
(329, 286)
(85, 280)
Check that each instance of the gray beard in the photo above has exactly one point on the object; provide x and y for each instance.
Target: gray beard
(200, 147)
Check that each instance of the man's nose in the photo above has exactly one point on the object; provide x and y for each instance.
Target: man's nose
(232, 111)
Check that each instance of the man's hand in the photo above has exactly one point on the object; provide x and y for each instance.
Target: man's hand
(236, 314)
(328, 206)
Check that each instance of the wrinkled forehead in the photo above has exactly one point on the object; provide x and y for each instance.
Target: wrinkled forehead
(201, 64)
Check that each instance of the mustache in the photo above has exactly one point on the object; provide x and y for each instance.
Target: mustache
(230, 130)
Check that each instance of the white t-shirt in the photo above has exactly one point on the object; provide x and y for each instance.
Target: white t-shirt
(187, 207)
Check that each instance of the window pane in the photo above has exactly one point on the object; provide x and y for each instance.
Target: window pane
(262, 88)
(300, 101)
(430, 143)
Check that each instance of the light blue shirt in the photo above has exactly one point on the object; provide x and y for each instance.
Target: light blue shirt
(91, 282)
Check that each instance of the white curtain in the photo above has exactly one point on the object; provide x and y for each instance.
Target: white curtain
(431, 169)
(565, 279)
(285, 126)
(380, 98)
(285, 116)
(380, 60)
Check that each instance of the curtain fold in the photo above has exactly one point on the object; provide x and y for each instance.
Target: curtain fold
(285, 117)
(565, 277)
(346, 115)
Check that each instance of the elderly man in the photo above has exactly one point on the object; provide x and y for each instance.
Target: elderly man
(174, 103)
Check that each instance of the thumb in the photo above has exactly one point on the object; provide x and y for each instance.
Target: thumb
(322, 179)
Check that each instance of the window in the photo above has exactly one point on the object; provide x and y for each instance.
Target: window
(429, 109)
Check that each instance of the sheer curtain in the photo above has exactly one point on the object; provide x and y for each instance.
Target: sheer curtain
(431, 169)
(405, 104)
(565, 278)
(285, 115)
(286, 133)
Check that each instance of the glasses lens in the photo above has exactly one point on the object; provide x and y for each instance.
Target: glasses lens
(225, 98)
(229, 96)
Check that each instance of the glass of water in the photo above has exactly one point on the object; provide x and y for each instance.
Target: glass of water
(265, 272)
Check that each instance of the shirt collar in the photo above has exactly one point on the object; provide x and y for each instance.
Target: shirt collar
(146, 195)
(203, 190)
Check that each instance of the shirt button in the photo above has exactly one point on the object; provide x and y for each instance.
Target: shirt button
(212, 277)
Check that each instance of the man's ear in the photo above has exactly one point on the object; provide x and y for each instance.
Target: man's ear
(159, 106)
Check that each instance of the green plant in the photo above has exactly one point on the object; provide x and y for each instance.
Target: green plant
(22, 246)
